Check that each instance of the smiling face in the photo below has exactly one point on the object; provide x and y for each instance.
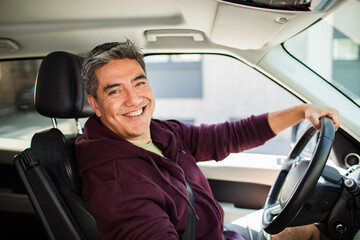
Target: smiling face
(125, 101)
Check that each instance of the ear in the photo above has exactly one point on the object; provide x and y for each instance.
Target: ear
(94, 104)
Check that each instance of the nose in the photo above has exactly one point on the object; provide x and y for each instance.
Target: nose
(132, 98)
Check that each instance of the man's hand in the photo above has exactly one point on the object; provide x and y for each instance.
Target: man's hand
(314, 113)
(281, 120)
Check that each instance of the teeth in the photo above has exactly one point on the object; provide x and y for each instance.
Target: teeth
(135, 113)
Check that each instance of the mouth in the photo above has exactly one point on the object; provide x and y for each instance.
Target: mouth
(135, 113)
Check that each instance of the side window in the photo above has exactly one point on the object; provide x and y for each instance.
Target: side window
(18, 117)
(17, 109)
(175, 76)
(229, 90)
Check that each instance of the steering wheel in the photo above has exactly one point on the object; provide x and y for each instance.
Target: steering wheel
(285, 201)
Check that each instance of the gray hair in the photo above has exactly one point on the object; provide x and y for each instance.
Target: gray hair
(102, 55)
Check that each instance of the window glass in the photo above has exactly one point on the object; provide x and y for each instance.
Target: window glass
(17, 80)
(230, 90)
(18, 117)
(175, 76)
(331, 49)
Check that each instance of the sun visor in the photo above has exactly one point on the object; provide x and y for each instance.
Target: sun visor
(254, 28)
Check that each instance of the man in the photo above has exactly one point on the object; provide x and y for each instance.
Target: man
(134, 169)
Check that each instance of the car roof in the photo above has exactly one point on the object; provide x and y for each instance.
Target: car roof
(36, 28)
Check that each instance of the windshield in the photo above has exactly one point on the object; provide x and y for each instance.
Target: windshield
(331, 49)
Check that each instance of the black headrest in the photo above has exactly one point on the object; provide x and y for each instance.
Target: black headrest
(58, 91)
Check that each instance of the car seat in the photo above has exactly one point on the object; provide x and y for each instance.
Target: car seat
(48, 168)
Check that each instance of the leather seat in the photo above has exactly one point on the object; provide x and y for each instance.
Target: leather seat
(48, 168)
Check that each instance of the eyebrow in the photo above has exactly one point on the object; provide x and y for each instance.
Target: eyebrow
(141, 76)
(109, 86)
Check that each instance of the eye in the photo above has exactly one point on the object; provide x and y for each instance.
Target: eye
(114, 92)
(140, 83)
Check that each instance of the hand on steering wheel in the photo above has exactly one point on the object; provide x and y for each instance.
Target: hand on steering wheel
(296, 179)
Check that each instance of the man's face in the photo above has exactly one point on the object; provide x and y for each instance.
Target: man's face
(125, 101)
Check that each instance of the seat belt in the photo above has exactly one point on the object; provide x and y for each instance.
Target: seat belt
(190, 232)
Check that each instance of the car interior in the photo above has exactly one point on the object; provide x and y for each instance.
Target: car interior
(208, 61)
(48, 168)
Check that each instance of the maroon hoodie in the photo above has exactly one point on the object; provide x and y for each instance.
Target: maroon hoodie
(137, 194)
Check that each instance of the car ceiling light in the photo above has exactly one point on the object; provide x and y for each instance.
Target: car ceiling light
(9, 44)
(153, 35)
(282, 20)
